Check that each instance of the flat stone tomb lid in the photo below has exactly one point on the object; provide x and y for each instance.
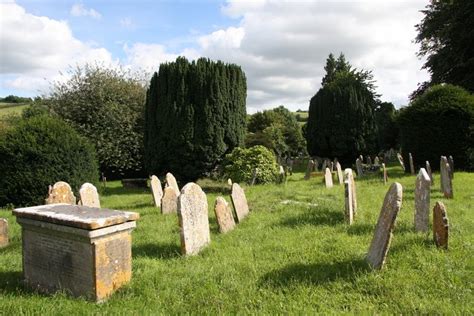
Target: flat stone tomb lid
(78, 216)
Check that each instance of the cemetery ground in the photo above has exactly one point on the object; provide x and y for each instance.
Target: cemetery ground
(293, 253)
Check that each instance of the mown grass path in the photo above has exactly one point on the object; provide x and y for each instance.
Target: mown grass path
(293, 257)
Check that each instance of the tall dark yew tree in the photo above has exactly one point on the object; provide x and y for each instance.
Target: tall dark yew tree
(341, 120)
(195, 114)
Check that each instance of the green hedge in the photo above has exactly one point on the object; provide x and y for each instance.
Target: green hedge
(40, 151)
(439, 122)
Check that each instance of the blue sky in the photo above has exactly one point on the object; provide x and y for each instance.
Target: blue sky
(281, 45)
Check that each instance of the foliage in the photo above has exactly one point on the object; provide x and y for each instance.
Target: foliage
(15, 99)
(276, 129)
(38, 152)
(239, 165)
(445, 34)
(341, 120)
(439, 122)
(106, 106)
(387, 136)
(195, 114)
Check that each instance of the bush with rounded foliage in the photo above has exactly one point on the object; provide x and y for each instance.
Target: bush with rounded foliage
(439, 122)
(38, 152)
(241, 162)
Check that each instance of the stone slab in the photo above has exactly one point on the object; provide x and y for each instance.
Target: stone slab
(422, 201)
(156, 190)
(239, 200)
(76, 215)
(60, 192)
(89, 195)
(193, 219)
(440, 225)
(3, 232)
(169, 202)
(383, 230)
(224, 217)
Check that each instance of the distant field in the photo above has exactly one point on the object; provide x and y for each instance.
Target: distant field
(301, 117)
(11, 108)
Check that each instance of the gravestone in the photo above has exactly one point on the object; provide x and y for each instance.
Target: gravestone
(385, 175)
(254, 176)
(328, 178)
(349, 175)
(60, 192)
(376, 161)
(422, 201)
(156, 190)
(81, 250)
(224, 217)
(440, 225)
(383, 231)
(240, 202)
(89, 195)
(430, 174)
(339, 173)
(193, 219)
(369, 161)
(316, 165)
(171, 182)
(360, 171)
(451, 167)
(331, 166)
(446, 182)
(3, 232)
(324, 166)
(412, 166)
(309, 168)
(349, 209)
(169, 202)
(400, 160)
(229, 182)
(282, 174)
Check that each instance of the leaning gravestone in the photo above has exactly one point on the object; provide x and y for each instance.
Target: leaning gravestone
(430, 174)
(383, 231)
(328, 178)
(360, 172)
(440, 225)
(193, 219)
(451, 166)
(3, 232)
(224, 217)
(412, 166)
(240, 202)
(385, 175)
(309, 168)
(169, 202)
(60, 192)
(349, 208)
(422, 201)
(446, 182)
(349, 175)
(339, 173)
(400, 160)
(89, 195)
(156, 190)
(171, 182)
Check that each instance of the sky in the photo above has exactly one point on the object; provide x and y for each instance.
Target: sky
(281, 46)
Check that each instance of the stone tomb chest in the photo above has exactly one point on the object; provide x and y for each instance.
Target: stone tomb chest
(81, 250)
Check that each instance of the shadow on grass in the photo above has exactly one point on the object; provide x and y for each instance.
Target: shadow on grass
(316, 217)
(11, 281)
(161, 251)
(123, 191)
(133, 207)
(318, 273)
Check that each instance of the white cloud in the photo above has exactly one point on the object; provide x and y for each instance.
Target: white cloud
(78, 9)
(36, 48)
(127, 23)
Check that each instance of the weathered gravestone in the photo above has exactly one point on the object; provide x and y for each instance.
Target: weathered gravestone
(412, 166)
(400, 160)
(316, 165)
(383, 231)
(369, 161)
(171, 182)
(430, 174)
(169, 202)
(240, 202)
(309, 168)
(446, 182)
(89, 195)
(60, 192)
(440, 225)
(3, 232)
(229, 182)
(82, 250)
(350, 176)
(281, 174)
(324, 165)
(384, 174)
(349, 208)
(156, 190)
(376, 161)
(331, 166)
(451, 167)
(422, 201)
(360, 171)
(339, 173)
(224, 217)
(193, 219)
(328, 178)
(254, 176)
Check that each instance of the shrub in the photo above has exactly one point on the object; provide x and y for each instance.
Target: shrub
(439, 122)
(38, 152)
(241, 162)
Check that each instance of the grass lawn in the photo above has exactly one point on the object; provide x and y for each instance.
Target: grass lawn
(11, 108)
(294, 257)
